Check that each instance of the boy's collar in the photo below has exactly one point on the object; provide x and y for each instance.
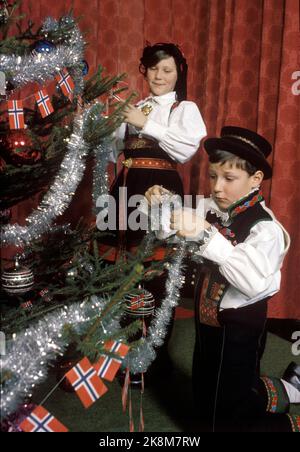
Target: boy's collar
(238, 206)
(245, 202)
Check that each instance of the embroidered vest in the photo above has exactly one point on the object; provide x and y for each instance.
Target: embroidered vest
(244, 215)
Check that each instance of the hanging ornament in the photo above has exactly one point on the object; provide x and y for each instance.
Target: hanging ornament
(139, 303)
(43, 46)
(85, 67)
(17, 280)
(17, 147)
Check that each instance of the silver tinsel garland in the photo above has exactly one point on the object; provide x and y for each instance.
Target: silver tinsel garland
(29, 352)
(100, 176)
(40, 67)
(59, 194)
(139, 359)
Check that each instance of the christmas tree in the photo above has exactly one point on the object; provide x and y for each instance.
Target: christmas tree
(57, 292)
(54, 120)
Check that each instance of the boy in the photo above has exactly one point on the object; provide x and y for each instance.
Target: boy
(243, 249)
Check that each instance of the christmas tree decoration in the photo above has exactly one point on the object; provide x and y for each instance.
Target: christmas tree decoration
(44, 103)
(17, 280)
(39, 331)
(43, 46)
(86, 382)
(107, 366)
(26, 305)
(140, 303)
(85, 67)
(15, 114)
(139, 359)
(59, 194)
(40, 420)
(18, 148)
(65, 82)
(30, 351)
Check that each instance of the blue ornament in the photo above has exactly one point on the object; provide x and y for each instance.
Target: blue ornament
(44, 46)
(85, 67)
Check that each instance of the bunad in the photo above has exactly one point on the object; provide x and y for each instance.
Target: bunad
(242, 255)
(171, 136)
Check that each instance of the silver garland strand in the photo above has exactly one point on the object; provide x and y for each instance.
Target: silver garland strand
(59, 194)
(29, 352)
(40, 67)
(139, 359)
(100, 175)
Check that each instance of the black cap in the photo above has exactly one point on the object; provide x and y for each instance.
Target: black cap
(245, 144)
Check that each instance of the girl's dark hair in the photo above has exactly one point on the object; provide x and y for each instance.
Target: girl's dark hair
(160, 51)
(222, 157)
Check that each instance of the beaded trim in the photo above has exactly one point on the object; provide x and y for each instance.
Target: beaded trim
(295, 422)
(272, 394)
(245, 140)
(244, 204)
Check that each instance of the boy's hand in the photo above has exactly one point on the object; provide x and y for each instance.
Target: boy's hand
(154, 194)
(187, 223)
(134, 116)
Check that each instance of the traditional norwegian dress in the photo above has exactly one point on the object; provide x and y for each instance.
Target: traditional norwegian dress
(243, 254)
(171, 136)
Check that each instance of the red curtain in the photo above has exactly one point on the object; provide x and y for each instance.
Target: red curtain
(242, 56)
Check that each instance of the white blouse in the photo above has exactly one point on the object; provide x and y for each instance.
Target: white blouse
(178, 133)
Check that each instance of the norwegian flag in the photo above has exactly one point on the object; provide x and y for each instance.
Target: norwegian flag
(40, 420)
(65, 82)
(44, 103)
(107, 367)
(86, 382)
(15, 114)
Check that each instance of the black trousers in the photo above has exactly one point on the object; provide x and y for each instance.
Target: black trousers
(228, 392)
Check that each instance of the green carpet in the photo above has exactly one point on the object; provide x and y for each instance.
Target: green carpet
(166, 404)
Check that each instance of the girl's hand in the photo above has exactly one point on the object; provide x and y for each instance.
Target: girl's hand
(134, 116)
(154, 194)
(187, 223)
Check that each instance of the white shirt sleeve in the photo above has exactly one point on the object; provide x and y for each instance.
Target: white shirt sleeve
(250, 266)
(182, 136)
(117, 144)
